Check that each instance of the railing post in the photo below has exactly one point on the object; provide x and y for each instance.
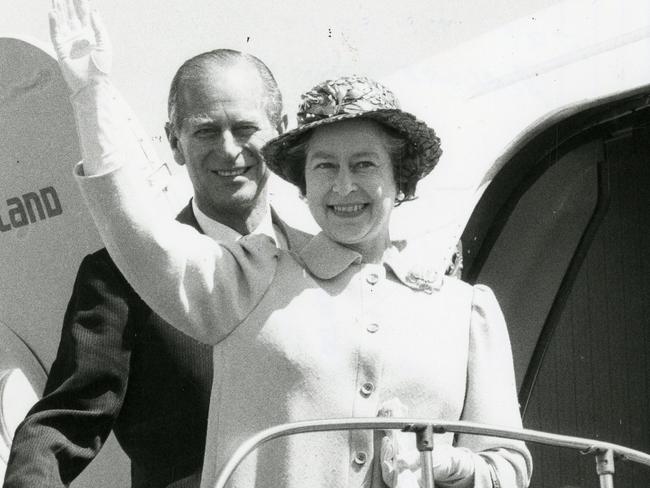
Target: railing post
(605, 467)
(424, 443)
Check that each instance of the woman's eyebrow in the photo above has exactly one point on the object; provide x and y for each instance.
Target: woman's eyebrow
(365, 154)
(322, 155)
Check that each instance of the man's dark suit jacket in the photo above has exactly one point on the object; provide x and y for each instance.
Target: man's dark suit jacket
(119, 366)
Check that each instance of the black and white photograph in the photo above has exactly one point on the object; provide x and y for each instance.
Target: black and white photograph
(323, 244)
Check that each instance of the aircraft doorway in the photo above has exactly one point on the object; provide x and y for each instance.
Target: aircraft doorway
(562, 236)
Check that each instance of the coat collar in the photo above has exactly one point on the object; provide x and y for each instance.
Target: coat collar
(327, 259)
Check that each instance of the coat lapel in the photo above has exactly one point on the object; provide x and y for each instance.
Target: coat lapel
(186, 216)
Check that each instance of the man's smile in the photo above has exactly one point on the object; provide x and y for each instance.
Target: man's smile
(231, 172)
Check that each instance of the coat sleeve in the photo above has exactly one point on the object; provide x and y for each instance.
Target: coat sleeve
(87, 383)
(491, 398)
(203, 288)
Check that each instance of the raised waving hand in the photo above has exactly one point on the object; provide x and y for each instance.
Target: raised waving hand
(80, 41)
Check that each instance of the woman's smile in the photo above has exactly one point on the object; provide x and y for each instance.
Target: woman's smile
(348, 210)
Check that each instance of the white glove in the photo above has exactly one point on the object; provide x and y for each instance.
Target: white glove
(81, 43)
(401, 461)
(84, 51)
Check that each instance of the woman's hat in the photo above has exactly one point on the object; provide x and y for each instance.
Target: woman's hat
(352, 97)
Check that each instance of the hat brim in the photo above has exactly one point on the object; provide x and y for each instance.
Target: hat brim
(422, 141)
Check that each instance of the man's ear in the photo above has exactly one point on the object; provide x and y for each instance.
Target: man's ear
(281, 126)
(170, 131)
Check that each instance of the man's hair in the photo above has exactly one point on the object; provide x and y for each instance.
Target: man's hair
(194, 67)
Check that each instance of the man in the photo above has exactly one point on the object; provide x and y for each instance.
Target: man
(121, 367)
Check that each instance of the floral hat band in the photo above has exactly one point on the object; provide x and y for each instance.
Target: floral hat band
(352, 97)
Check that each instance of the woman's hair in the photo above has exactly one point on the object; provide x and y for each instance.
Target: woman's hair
(399, 150)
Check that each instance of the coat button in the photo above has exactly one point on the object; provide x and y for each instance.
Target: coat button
(372, 327)
(372, 278)
(367, 389)
(360, 458)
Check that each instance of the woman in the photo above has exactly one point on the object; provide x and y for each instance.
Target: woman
(342, 324)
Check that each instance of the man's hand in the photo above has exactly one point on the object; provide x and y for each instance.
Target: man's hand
(81, 43)
(401, 461)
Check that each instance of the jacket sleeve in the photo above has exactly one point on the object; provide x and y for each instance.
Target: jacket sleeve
(202, 288)
(87, 383)
(491, 398)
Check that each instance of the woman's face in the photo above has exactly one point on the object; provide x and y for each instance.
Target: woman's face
(350, 185)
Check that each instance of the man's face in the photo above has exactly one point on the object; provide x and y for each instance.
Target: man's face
(222, 127)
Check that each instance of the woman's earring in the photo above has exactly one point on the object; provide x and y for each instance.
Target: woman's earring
(400, 196)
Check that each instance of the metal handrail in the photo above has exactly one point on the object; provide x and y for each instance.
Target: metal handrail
(604, 451)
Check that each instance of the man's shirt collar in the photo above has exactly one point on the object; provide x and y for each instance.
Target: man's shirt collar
(221, 232)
